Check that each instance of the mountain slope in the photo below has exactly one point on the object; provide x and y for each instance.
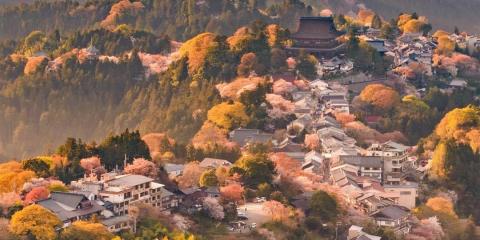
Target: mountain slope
(443, 14)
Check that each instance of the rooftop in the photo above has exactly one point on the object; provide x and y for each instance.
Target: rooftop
(364, 161)
(392, 212)
(214, 163)
(129, 180)
(316, 28)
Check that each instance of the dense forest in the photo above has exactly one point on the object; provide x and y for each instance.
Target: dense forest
(51, 88)
(180, 19)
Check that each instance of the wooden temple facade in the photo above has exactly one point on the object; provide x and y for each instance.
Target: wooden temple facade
(317, 36)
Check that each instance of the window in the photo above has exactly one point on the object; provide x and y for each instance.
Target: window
(405, 192)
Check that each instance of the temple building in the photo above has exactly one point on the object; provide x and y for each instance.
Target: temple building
(318, 36)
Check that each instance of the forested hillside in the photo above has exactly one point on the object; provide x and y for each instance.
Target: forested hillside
(180, 19)
(443, 14)
(91, 83)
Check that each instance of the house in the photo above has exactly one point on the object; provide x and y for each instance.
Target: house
(394, 155)
(119, 223)
(458, 84)
(367, 166)
(243, 137)
(357, 233)
(287, 146)
(305, 121)
(161, 197)
(317, 36)
(370, 202)
(339, 105)
(378, 45)
(393, 216)
(213, 163)
(192, 199)
(213, 192)
(71, 207)
(326, 121)
(403, 194)
(173, 170)
(313, 162)
(318, 84)
(125, 190)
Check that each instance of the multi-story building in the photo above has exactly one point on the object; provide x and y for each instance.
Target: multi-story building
(394, 156)
(121, 191)
(365, 166)
(124, 190)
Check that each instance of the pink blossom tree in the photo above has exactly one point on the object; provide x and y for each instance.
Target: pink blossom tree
(90, 163)
(312, 141)
(143, 167)
(213, 207)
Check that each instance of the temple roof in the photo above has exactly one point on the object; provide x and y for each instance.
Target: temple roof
(316, 28)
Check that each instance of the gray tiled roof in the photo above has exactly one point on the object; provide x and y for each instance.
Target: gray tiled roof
(363, 161)
(129, 180)
(243, 136)
(70, 199)
(392, 212)
(115, 220)
(59, 205)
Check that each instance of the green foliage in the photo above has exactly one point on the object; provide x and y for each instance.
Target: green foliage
(229, 115)
(113, 150)
(73, 150)
(255, 169)
(264, 190)
(37, 165)
(307, 66)
(116, 42)
(324, 206)
(208, 178)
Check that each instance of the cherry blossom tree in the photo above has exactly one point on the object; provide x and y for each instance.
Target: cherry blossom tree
(280, 106)
(427, 229)
(276, 210)
(213, 207)
(143, 167)
(281, 87)
(38, 193)
(232, 192)
(312, 141)
(191, 175)
(90, 163)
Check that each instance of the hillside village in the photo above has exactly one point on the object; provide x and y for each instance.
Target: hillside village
(344, 134)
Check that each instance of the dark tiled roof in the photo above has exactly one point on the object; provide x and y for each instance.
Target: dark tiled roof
(392, 212)
(58, 204)
(316, 28)
(364, 161)
(70, 199)
(115, 220)
(242, 136)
